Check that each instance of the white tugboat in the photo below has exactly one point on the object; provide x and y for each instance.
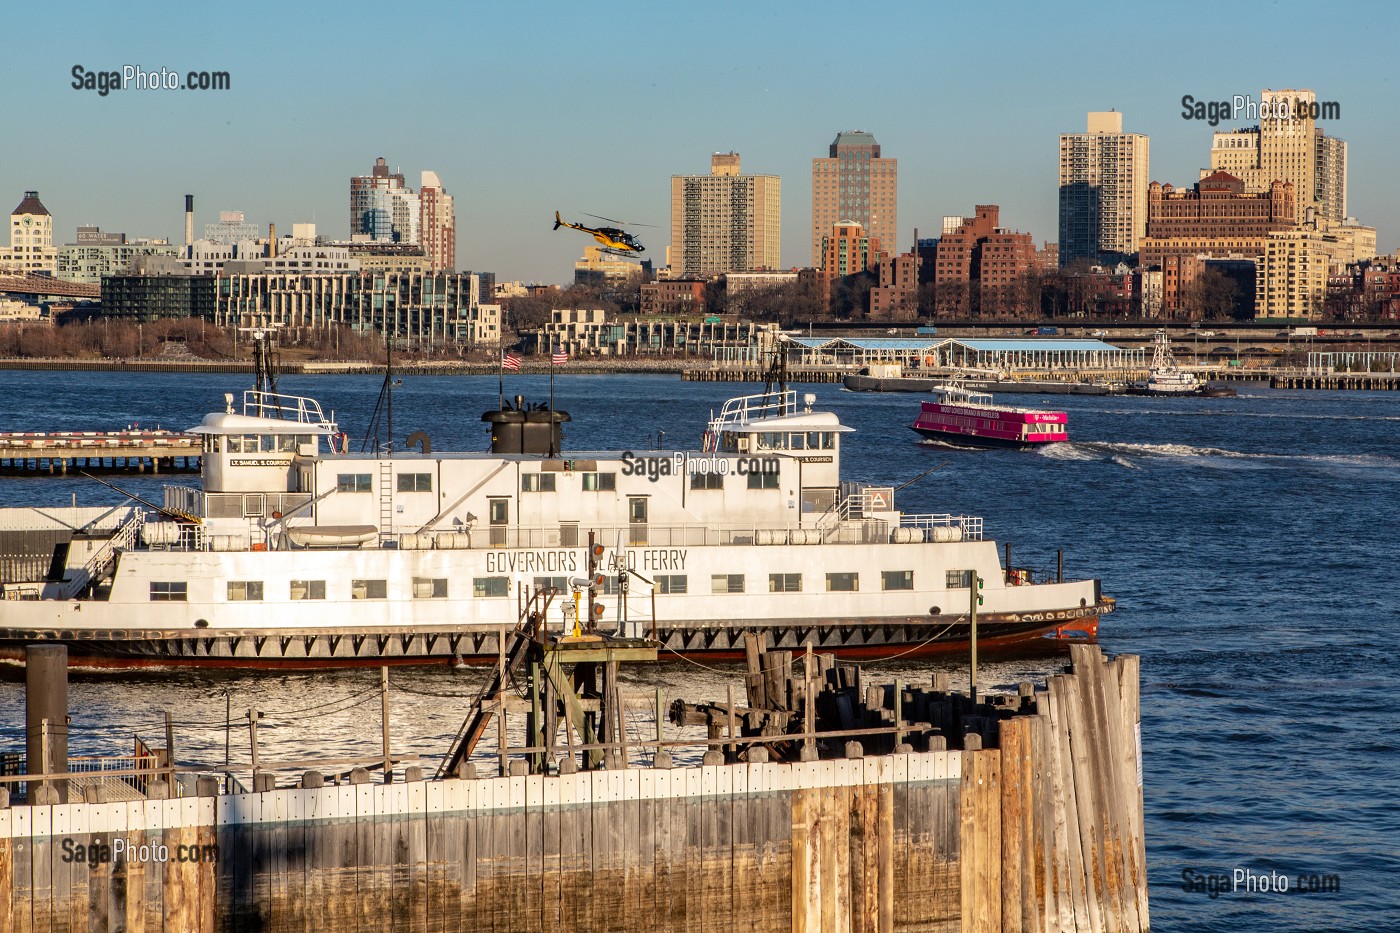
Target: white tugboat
(1165, 377)
(295, 553)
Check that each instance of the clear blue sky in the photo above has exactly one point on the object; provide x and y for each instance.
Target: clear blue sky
(534, 107)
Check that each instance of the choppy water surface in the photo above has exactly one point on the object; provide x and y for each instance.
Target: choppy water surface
(1249, 542)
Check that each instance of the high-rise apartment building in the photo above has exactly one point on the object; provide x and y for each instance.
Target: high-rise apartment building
(1103, 191)
(31, 249)
(1330, 185)
(382, 208)
(847, 250)
(980, 267)
(725, 221)
(437, 224)
(1287, 145)
(854, 184)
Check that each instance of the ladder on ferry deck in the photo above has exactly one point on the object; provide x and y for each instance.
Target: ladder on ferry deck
(386, 500)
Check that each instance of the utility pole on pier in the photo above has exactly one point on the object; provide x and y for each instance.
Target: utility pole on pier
(974, 589)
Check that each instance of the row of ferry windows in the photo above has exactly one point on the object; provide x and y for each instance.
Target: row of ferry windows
(545, 482)
(363, 482)
(265, 443)
(423, 482)
(485, 587)
(783, 440)
(252, 590)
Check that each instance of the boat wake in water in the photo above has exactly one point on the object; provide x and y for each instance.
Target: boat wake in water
(1135, 456)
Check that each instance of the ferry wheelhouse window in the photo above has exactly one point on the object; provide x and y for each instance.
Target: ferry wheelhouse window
(415, 482)
(308, 589)
(842, 582)
(537, 482)
(959, 579)
(245, 590)
(487, 587)
(668, 583)
(429, 588)
(764, 480)
(353, 482)
(727, 583)
(169, 592)
(785, 583)
(897, 579)
(369, 589)
(707, 481)
(599, 482)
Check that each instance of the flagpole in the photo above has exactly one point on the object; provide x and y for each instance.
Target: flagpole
(552, 451)
(500, 379)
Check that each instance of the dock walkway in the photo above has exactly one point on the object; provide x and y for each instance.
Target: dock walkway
(132, 450)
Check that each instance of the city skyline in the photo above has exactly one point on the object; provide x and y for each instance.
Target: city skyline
(535, 118)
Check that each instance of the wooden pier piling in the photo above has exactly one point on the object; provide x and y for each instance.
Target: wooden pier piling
(1038, 829)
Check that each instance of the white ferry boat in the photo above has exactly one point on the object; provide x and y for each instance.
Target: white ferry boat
(964, 418)
(296, 553)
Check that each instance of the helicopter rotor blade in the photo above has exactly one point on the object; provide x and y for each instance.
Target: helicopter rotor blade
(621, 223)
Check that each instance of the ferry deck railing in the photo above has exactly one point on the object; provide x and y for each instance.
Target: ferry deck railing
(748, 408)
(100, 562)
(296, 408)
(852, 530)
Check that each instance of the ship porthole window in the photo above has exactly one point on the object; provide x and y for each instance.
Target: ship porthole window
(201, 623)
(934, 610)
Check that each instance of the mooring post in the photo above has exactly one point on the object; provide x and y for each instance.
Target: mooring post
(253, 717)
(973, 588)
(170, 747)
(808, 713)
(732, 750)
(501, 730)
(45, 759)
(898, 712)
(46, 712)
(536, 730)
(658, 717)
(384, 721)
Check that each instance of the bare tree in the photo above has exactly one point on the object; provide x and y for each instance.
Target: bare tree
(1210, 296)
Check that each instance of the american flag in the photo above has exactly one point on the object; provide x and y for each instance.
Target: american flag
(511, 362)
(560, 357)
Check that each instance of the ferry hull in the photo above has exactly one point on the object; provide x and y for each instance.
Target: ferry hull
(328, 649)
(859, 383)
(979, 440)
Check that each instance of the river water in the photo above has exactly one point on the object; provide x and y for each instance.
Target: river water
(1249, 542)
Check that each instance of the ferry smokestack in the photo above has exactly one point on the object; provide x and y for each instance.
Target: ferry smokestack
(189, 220)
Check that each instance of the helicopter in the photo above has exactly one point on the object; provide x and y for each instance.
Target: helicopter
(615, 240)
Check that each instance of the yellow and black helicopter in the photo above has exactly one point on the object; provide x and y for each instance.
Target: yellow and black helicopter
(615, 240)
